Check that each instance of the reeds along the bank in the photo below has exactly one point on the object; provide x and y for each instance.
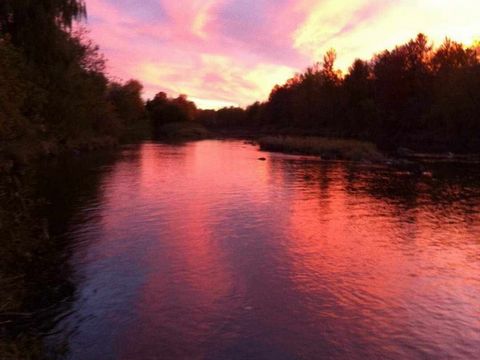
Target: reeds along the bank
(326, 148)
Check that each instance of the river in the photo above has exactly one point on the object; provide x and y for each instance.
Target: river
(203, 251)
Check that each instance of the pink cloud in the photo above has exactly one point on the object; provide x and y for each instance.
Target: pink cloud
(235, 51)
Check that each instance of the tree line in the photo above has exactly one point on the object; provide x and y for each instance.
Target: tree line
(54, 90)
(413, 96)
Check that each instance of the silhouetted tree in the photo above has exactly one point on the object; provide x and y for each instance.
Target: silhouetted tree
(360, 112)
(456, 92)
(128, 108)
(411, 96)
(163, 110)
(34, 25)
(53, 86)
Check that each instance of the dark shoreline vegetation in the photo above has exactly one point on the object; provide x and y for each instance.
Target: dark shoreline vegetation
(327, 149)
(35, 274)
(56, 97)
(413, 97)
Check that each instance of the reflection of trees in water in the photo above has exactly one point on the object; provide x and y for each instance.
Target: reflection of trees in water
(452, 187)
(450, 183)
(452, 191)
(407, 212)
(36, 208)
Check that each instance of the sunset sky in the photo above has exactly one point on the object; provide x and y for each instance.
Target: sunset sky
(232, 52)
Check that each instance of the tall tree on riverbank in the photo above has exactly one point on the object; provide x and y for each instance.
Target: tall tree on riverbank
(69, 98)
(34, 25)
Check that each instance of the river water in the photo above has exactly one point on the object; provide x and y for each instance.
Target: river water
(203, 251)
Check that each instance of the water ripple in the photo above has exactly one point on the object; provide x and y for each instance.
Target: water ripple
(201, 251)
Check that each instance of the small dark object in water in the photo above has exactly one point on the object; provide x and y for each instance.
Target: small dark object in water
(262, 159)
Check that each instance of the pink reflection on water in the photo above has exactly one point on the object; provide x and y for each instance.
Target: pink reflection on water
(389, 268)
(203, 249)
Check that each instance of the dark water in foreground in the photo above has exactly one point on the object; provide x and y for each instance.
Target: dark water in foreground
(201, 251)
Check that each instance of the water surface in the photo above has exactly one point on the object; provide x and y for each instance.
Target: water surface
(201, 251)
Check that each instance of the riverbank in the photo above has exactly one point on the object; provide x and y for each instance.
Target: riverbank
(295, 141)
(22, 153)
(35, 201)
(326, 148)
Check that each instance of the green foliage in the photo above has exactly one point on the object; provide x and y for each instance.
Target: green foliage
(53, 88)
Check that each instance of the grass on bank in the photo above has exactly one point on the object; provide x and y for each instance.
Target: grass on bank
(329, 149)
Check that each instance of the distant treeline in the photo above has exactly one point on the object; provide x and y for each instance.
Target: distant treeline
(54, 91)
(163, 110)
(412, 96)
